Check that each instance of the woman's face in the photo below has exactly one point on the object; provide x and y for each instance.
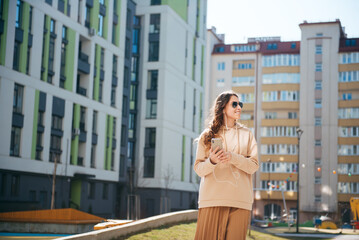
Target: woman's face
(233, 113)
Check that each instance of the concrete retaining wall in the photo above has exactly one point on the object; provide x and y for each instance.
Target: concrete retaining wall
(45, 228)
(137, 226)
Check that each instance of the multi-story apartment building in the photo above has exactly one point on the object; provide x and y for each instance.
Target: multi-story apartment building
(107, 94)
(311, 84)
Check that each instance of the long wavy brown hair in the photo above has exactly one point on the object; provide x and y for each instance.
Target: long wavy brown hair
(216, 118)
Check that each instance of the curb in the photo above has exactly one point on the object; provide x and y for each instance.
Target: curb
(137, 226)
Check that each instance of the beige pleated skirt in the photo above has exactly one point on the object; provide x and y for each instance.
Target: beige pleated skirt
(222, 223)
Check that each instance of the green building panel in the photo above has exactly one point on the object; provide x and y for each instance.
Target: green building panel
(70, 59)
(75, 194)
(46, 47)
(75, 139)
(179, 6)
(65, 7)
(96, 81)
(108, 154)
(5, 17)
(117, 29)
(105, 21)
(34, 128)
(24, 44)
(94, 15)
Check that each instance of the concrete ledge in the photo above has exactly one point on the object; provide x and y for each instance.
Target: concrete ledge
(20, 227)
(137, 226)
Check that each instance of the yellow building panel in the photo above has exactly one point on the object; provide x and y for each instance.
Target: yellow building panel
(348, 104)
(346, 178)
(242, 72)
(345, 197)
(348, 122)
(248, 107)
(279, 140)
(244, 89)
(281, 69)
(278, 176)
(347, 159)
(348, 140)
(348, 67)
(278, 87)
(277, 195)
(342, 86)
(279, 158)
(280, 105)
(247, 123)
(280, 122)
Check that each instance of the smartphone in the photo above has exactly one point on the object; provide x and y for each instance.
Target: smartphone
(216, 142)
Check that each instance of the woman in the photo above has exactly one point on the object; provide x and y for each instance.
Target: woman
(225, 194)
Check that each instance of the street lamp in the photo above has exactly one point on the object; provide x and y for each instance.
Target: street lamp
(299, 134)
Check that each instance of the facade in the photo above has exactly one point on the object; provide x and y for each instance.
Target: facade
(309, 84)
(106, 95)
(172, 97)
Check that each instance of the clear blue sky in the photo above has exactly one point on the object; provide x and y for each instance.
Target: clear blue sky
(240, 19)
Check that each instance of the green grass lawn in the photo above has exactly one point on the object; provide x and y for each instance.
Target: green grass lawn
(186, 231)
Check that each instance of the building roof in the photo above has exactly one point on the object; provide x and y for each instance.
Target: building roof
(349, 45)
(266, 48)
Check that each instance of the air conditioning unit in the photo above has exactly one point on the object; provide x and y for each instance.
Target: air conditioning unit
(92, 31)
(76, 131)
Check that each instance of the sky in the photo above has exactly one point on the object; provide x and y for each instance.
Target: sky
(242, 19)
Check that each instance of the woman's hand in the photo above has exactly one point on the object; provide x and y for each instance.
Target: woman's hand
(216, 155)
(226, 157)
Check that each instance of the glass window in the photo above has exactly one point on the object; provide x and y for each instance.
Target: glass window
(15, 141)
(318, 103)
(152, 80)
(100, 25)
(318, 67)
(155, 21)
(153, 54)
(19, 6)
(18, 98)
(318, 49)
(318, 84)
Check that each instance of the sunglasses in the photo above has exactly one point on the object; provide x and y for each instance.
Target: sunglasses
(235, 104)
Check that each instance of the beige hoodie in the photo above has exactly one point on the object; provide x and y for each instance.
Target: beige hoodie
(228, 184)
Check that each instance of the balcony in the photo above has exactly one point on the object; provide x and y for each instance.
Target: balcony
(94, 139)
(82, 91)
(102, 9)
(115, 19)
(280, 105)
(151, 94)
(83, 65)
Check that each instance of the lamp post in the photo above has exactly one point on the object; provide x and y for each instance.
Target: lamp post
(299, 134)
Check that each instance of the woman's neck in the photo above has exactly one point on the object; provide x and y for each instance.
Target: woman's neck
(229, 122)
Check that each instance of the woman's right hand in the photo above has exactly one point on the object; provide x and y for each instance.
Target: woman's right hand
(216, 155)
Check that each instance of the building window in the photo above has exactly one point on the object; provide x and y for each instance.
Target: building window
(318, 84)
(318, 142)
(151, 109)
(18, 98)
(18, 21)
(318, 103)
(318, 49)
(155, 23)
(100, 25)
(346, 96)
(318, 67)
(285, 149)
(292, 115)
(93, 156)
(155, 2)
(348, 150)
(153, 54)
(220, 82)
(123, 135)
(318, 121)
(94, 122)
(318, 161)
(221, 66)
(317, 198)
(149, 160)
(91, 190)
(16, 61)
(281, 60)
(270, 115)
(15, 141)
(348, 113)
(15, 186)
(274, 96)
(279, 78)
